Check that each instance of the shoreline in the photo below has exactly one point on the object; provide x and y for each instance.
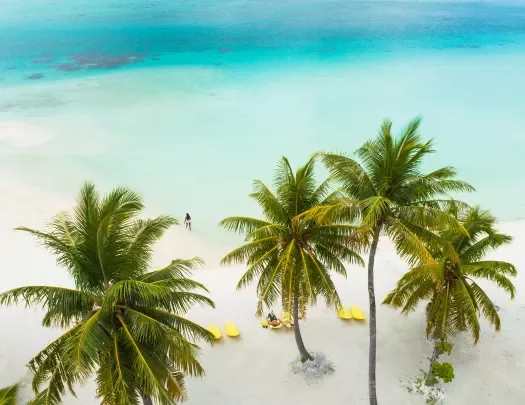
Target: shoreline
(240, 370)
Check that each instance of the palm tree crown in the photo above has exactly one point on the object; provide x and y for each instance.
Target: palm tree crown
(290, 255)
(124, 324)
(448, 283)
(387, 192)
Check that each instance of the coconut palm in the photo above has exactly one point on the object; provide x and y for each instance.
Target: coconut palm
(455, 300)
(387, 192)
(9, 395)
(123, 324)
(290, 256)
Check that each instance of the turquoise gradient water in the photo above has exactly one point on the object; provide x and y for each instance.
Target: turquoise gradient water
(189, 101)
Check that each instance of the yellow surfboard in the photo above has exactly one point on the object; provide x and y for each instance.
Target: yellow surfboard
(357, 313)
(344, 313)
(231, 329)
(216, 331)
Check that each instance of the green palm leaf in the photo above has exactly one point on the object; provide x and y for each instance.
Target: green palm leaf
(8, 395)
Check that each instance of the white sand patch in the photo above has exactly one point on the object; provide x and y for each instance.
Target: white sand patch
(22, 135)
(253, 369)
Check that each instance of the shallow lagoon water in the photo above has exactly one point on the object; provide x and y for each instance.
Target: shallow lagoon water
(189, 102)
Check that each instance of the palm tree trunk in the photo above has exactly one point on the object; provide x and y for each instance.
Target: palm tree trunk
(373, 334)
(146, 400)
(297, 332)
(435, 354)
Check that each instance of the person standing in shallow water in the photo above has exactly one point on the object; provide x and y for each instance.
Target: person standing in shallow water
(187, 221)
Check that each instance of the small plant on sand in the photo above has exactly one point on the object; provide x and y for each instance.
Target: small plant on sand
(387, 193)
(432, 395)
(123, 324)
(448, 283)
(289, 255)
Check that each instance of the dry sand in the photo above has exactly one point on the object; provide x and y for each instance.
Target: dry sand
(254, 368)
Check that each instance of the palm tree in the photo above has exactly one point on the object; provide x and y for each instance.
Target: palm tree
(123, 323)
(389, 194)
(290, 255)
(9, 395)
(455, 299)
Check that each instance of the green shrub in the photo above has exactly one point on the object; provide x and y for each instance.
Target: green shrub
(444, 347)
(445, 371)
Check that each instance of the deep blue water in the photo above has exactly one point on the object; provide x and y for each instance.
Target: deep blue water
(63, 38)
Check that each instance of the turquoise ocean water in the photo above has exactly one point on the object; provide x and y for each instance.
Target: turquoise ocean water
(188, 101)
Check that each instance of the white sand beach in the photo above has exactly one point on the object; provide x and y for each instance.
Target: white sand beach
(254, 368)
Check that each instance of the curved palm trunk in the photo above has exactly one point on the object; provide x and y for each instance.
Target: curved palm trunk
(297, 332)
(435, 355)
(373, 336)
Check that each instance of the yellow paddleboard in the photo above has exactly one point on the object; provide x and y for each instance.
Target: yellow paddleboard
(216, 331)
(231, 329)
(344, 313)
(357, 313)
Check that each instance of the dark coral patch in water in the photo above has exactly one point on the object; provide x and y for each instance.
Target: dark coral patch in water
(68, 67)
(43, 59)
(99, 61)
(35, 76)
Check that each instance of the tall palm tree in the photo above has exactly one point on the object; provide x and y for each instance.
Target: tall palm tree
(455, 299)
(123, 324)
(290, 255)
(387, 192)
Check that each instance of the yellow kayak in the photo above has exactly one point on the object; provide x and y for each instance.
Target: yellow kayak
(357, 313)
(231, 329)
(344, 313)
(216, 331)
(265, 324)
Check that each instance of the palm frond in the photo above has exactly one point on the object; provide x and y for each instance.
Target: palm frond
(9, 395)
(63, 306)
(485, 305)
(149, 373)
(177, 269)
(493, 271)
(143, 234)
(242, 224)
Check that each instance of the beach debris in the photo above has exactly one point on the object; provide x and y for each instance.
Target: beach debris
(312, 369)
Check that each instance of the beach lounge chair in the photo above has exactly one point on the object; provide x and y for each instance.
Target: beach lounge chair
(231, 329)
(344, 313)
(357, 313)
(214, 329)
